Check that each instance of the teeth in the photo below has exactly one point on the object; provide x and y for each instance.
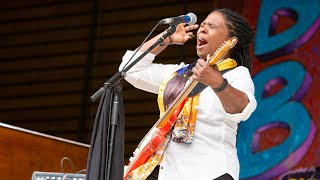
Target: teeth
(200, 38)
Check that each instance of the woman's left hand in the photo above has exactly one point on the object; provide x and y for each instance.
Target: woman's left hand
(206, 74)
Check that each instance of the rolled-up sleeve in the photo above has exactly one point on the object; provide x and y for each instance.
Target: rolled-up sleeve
(146, 75)
(240, 79)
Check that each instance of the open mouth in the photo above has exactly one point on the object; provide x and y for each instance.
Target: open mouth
(201, 42)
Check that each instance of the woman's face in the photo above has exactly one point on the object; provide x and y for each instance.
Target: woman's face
(211, 34)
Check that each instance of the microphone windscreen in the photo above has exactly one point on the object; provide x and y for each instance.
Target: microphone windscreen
(193, 18)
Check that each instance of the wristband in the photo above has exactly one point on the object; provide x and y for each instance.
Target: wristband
(222, 86)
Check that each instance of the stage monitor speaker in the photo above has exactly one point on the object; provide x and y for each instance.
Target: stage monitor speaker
(37, 175)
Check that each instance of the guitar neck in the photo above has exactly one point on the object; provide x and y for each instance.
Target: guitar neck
(175, 104)
(170, 110)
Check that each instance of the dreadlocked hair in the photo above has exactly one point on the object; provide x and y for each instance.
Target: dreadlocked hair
(239, 27)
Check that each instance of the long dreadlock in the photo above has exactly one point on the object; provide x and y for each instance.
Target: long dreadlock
(239, 27)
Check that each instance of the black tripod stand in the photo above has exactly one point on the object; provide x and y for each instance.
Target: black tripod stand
(105, 158)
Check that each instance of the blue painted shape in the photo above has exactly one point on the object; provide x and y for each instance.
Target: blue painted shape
(308, 22)
(276, 108)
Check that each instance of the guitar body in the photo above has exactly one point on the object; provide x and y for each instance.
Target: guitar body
(157, 137)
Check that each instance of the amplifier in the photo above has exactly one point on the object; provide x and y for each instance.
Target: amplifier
(37, 175)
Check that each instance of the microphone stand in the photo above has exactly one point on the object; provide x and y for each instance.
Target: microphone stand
(116, 87)
(121, 74)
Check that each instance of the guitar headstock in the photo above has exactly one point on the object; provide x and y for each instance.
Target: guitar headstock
(222, 50)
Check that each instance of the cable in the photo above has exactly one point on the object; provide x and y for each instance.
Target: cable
(81, 171)
(141, 45)
(70, 161)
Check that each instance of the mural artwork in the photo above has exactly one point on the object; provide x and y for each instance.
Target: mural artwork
(281, 139)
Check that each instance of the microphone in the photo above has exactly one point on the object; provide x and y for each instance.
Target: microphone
(190, 19)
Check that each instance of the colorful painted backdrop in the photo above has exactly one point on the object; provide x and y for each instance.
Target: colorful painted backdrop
(281, 140)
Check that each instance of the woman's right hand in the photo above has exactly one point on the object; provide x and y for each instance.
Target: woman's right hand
(180, 36)
(183, 33)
